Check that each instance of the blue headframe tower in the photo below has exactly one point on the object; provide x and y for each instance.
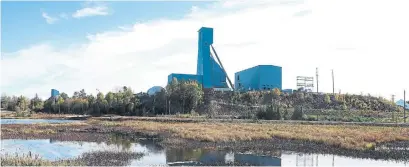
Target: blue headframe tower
(211, 72)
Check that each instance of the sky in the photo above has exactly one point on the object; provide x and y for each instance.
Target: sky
(94, 45)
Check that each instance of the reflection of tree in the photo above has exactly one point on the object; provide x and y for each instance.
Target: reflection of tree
(180, 154)
(151, 146)
(106, 158)
(53, 140)
(120, 141)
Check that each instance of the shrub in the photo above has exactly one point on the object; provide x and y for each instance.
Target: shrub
(298, 114)
(285, 115)
(272, 112)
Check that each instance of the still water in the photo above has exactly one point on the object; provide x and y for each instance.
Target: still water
(33, 121)
(157, 155)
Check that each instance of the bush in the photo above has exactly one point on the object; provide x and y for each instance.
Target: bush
(285, 115)
(272, 112)
(23, 114)
(261, 114)
(312, 118)
(298, 114)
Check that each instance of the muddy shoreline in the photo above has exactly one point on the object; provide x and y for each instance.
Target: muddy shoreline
(99, 133)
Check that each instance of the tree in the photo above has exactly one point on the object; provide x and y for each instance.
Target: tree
(276, 92)
(109, 97)
(327, 100)
(23, 103)
(36, 104)
(5, 100)
(64, 96)
(60, 101)
(298, 113)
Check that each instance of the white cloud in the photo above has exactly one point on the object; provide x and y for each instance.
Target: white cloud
(48, 18)
(91, 11)
(365, 43)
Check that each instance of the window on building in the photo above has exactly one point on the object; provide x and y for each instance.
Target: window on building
(238, 77)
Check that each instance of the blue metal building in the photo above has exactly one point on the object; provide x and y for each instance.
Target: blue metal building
(54, 92)
(209, 73)
(261, 77)
(185, 77)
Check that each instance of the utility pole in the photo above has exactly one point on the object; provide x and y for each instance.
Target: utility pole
(404, 106)
(316, 71)
(394, 112)
(333, 84)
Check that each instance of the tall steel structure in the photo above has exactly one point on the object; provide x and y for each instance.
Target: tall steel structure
(210, 72)
(54, 92)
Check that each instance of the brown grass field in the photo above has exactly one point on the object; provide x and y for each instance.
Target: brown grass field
(344, 136)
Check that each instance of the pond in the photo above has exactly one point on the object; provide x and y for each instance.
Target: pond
(33, 121)
(156, 155)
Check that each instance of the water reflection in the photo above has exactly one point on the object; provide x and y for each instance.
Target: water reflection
(33, 121)
(211, 157)
(154, 154)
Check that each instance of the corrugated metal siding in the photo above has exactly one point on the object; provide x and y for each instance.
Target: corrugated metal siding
(261, 77)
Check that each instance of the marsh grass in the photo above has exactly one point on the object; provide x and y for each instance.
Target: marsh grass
(99, 158)
(34, 160)
(345, 136)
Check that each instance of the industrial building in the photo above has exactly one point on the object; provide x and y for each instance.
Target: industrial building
(261, 77)
(211, 73)
(185, 77)
(54, 92)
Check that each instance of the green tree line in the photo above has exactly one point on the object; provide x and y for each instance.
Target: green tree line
(187, 96)
(177, 97)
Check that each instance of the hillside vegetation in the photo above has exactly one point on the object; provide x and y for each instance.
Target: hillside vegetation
(186, 97)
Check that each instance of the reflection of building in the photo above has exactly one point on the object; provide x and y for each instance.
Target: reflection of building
(251, 159)
(205, 157)
(306, 160)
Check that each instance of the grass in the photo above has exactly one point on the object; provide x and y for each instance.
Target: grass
(345, 136)
(35, 160)
(99, 158)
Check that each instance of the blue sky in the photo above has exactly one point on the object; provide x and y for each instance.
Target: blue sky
(103, 45)
(23, 24)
